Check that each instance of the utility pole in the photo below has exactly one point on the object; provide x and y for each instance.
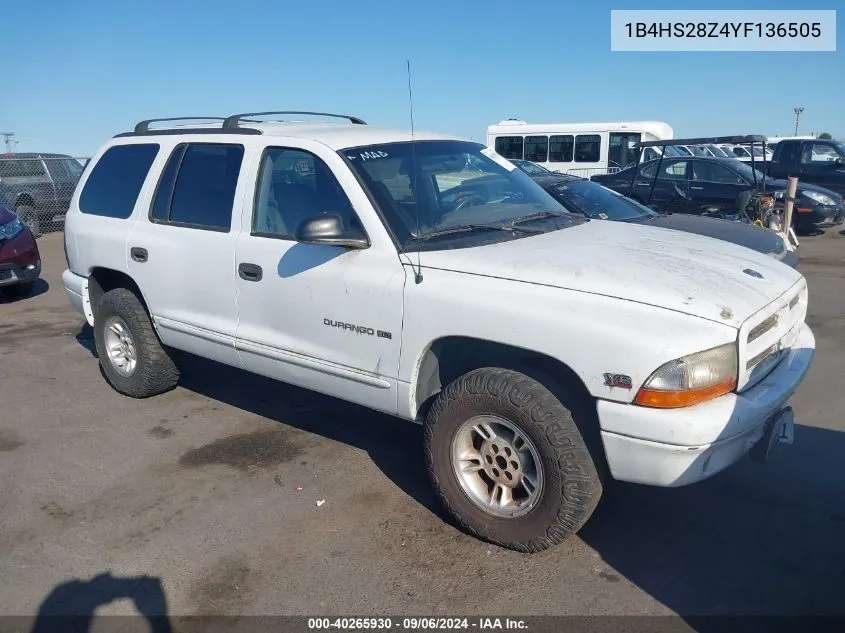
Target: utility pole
(797, 112)
(10, 139)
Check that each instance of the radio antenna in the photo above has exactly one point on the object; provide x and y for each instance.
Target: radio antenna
(418, 272)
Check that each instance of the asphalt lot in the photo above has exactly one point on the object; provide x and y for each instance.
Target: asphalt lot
(197, 490)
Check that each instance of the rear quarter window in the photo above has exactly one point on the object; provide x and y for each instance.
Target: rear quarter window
(114, 184)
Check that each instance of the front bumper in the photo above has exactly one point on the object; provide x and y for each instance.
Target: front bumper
(12, 274)
(20, 261)
(76, 289)
(821, 215)
(676, 447)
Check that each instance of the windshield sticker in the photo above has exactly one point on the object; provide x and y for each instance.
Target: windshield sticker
(365, 156)
(497, 158)
(603, 216)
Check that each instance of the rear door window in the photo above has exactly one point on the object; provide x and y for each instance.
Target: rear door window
(202, 193)
(669, 170)
(114, 184)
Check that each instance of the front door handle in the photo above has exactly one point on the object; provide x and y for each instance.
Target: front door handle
(138, 254)
(250, 272)
(697, 188)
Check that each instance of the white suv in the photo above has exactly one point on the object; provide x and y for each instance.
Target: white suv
(425, 276)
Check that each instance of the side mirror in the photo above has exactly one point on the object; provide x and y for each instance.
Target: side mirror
(328, 229)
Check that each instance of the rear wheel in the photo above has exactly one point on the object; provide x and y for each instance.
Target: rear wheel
(28, 216)
(508, 462)
(132, 358)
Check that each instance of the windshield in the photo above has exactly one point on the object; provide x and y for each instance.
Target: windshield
(530, 168)
(598, 202)
(745, 170)
(424, 187)
(840, 147)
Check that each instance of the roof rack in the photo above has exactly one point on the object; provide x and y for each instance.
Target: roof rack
(144, 126)
(711, 140)
(234, 120)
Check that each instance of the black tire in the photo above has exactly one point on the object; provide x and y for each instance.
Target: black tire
(155, 372)
(20, 290)
(573, 487)
(28, 216)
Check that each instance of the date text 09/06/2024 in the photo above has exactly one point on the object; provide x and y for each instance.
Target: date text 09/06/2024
(416, 624)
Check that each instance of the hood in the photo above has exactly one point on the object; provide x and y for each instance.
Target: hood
(778, 184)
(692, 274)
(547, 180)
(754, 237)
(5, 214)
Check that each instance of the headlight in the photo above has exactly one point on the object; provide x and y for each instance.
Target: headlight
(818, 197)
(691, 379)
(10, 229)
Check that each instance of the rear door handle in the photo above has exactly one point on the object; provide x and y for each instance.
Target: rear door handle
(250, 272)
(696, 188)
(138, 254)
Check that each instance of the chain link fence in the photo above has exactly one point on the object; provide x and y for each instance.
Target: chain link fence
(38, 187)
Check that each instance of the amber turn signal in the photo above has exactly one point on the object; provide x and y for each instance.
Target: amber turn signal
(661, 399)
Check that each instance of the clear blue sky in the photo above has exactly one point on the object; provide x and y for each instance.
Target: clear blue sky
(75, 73)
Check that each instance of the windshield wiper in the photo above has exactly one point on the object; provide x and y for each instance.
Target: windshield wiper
(539, 215)
(467, 228)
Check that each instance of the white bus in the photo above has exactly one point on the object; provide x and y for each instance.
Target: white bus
(581, 149)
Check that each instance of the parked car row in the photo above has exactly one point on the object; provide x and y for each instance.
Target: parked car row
(710, 186)
(598, 202)
(38, 188)
(544, 352)
(20, 261)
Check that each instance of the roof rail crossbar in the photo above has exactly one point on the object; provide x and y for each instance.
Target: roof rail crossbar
(714, 140)
(144, 126)
(235, 119)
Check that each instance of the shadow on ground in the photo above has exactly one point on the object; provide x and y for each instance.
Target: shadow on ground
(755, 539)
(40, 288)
(394, 445)
(71, 606)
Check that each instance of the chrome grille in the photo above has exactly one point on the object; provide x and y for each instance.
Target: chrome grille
(768, 335)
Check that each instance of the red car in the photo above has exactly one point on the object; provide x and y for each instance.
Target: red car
(20, 261)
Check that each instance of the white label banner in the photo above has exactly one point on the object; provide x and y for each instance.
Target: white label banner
(683, 30)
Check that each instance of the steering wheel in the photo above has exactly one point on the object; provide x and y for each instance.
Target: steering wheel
(471, 200)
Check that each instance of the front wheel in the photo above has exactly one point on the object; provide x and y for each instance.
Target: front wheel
(132, 358)
(508, 462)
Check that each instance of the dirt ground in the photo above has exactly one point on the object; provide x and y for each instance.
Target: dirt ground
(196, 492)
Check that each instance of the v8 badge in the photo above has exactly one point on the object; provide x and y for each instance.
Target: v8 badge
(618, 380)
